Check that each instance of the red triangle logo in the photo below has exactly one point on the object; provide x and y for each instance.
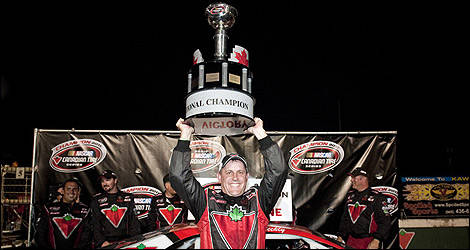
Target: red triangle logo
(295, 162)
(170, 213)
(114, 214)
(67, 224)
(57, 159)
(405, 238)
(355, 210)
(232, 226)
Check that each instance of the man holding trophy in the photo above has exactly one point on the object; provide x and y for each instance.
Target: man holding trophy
(219, 102)
(231, 217)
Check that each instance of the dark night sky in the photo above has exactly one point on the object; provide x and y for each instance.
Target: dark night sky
(316, 68)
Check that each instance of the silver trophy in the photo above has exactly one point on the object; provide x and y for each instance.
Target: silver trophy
(219, 100)
(221, 17)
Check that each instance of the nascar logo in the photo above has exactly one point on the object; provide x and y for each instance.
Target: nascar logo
(142, 198)
(205, 155)
(77, 155)
(315, 157)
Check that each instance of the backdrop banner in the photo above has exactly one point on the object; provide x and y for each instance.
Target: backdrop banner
(319, 165)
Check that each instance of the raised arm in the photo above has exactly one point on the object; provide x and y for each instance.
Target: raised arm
(275, 167)
(181, 176)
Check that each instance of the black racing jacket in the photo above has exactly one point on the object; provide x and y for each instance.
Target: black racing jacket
(64, 226)
(113, 217)
(225, 221)
(364, 215)
(166, 211)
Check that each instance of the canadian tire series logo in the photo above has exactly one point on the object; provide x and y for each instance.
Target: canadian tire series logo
(205, 155)
(315, 157)
(142, 198)
(77, 155)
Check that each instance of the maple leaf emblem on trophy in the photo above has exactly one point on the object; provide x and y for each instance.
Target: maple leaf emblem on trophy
(242, 56)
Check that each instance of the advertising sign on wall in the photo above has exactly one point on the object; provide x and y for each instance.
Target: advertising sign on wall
(441, 196)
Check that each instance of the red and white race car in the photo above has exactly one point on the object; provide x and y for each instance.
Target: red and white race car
(186, 236)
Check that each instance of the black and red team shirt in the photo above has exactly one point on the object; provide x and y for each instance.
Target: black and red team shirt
(166, 211)
(64, 226)
(225, 221)
(113, 217)
(364, 216)
(233, 222)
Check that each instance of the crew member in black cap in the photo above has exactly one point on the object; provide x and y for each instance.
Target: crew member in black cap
(365, 223)
(113, 212)
(166, 208)
(64, 223)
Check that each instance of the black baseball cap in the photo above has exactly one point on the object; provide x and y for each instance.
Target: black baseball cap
(108, 174)
(232, 157)
(358, 171)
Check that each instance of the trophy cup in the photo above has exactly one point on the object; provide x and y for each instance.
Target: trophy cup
(219, 100)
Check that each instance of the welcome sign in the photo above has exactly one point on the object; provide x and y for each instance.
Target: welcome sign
(439, 196)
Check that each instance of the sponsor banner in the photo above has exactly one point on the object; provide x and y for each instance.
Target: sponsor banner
(142, 198)
(318, 165)
(283, 211)
(436, 196)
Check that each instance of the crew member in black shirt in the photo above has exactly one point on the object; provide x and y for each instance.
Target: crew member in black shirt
(166, 208)
(113, 212)
(364, 223)
(64, 223)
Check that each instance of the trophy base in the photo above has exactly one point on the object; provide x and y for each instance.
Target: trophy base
(219, 111)
(220, 125)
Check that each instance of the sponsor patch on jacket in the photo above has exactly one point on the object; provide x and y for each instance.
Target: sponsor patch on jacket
(142, 199)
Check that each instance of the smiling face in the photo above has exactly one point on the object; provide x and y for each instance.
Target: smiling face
(109, 185)
(71, 192)
(233, 178)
